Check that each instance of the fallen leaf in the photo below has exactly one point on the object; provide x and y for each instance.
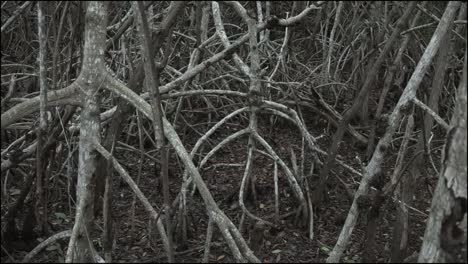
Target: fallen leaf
(51, 248)
(325, 249)
(61, 216)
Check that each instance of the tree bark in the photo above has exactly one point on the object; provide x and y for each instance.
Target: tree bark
(443, 238)
(89, 81)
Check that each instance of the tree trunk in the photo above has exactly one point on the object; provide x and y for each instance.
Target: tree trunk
(443, 238)
(90, 79)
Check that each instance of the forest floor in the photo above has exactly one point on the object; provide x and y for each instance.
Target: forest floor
(223, 173)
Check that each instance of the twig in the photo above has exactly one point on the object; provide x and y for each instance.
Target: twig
(45, 243)
(133, 186)
(15, 14)
(11, 90)
(209, 235)
(436, 117)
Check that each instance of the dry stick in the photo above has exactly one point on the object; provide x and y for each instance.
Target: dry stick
(260, 18)
(388, 84)
(429, 153)
(254, 87)
(303, 157)
(9, 231)
(15, 14)
(224, 39)
(248, 177)
(63, 96)
(297, 121)
(404, 102)
(152, 74)
(221, 144)
(8, 254)
(389, 188)
(400, 230)
(422, 8)
(102, 183)
(332, 36)
(56, 46)
(379, 38)
(281, 55)
(314, 147)
(357, 104)
(417, 28)
(127, 22)
(205, 137)
(244, 182)
(77, 226)
(194, 59)
(289, 175)
(213, 129)
(275, 177)
(108, 236)
(434, 115)
(121, 22)
(209, 236)
(41, 183)
(267, 14)
(305, 183)
(338, 116)
(155, 215)
(331, 114)
(311, 206)
(11, 90)
(324, 30)
(294, 165)
(104, 172)
(140, 167)
(241, 222)
(45, 243)
(124, 24)
(403, 148)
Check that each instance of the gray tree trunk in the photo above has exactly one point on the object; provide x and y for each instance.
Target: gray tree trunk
(443, 237)
(89, 81)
